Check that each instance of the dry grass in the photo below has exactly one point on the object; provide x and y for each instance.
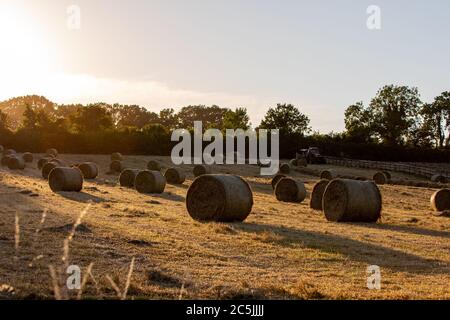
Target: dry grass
(282, 251)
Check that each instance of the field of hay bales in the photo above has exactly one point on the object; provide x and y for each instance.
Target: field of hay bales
(282, 251)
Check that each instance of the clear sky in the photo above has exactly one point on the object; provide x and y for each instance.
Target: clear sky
(318, 55)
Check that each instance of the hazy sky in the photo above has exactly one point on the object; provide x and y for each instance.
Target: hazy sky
(318, 55)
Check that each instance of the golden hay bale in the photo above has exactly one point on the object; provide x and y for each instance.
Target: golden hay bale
(65, 179)
(221, 198)
(317, 194)
(16, 163)
(41, 162)
(440, 200)
(127, 177)
(5, 160)
(9, 152)
(154, 165)
(150, 182)
(89, 170)
(116, 166)
(439, 178)
(28, 157)
(285, 168)
(352, 201)
(175, 176)
(328, 175)
(290, 190)
(116, 156)
(52, 152)
(200, 170)
(48, 167)
(277, 178)
(380, 178)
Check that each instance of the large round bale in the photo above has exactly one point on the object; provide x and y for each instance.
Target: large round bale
(154, 165)
(380, 178)
(317, 194)
(388, 174)
(438, 178)
(41, 162)
(65, 179)
(116, 156)
(52, 152)
(89, 170)
(28, 157)
(175, 176)
(440, 200)
(352, 201)
(200, 170)
(9, 152)
(277, 178)
(150, 182)
(127, 177)
(5, 160)
(16, 163)
(59, 162)
(328, 175)
(290, 190)
(116, 166)
(48, 167)
(285, 168)
(221, 198)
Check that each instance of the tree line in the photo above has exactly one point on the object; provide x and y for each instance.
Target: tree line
(396, 125)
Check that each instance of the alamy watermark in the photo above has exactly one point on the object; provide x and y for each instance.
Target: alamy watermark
(374, 277)
(73, 21)
(374, 19)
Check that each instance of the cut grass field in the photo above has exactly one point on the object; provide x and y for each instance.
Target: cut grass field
(282, 251)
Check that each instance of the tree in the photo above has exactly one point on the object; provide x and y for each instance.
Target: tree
(168, 118)
(237, 119)
(3, 122)
(437, 118)
(395, 111)
(93, 117)
(287, 118)
(211, 117)
(135, 116)
(358, 123)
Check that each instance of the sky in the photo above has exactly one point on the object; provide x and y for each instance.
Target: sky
(318, 55)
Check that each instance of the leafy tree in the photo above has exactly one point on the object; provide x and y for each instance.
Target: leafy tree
(135, 116)
(237, 119)
(358, 123)
(211, 117)
(437, 118)
(3, 122)
(395, 112)
(30, 118)
(168, 118)
(93, 117)
(287, 118)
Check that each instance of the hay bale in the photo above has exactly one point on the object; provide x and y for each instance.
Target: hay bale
(52, 152)
(127, 177)
(380, 178)
(221, 198)
(28, 157)
(277, 178)
(327, 175)
(41, 162)
(174, 176)
(65, 179)
(200, 170)
(48, 167)
(59, 162)
(317, 194)
(290, 190)
(116, 166)
(154, 165)
(302, 162)
(89, 170)
(5, 160)
(440, 200)
(285, 168)
(116, 156)
(150, 182)
(293, 162)
(9, 152)
(352, 201)
(16, 163)
(439, 178)
(388, 175)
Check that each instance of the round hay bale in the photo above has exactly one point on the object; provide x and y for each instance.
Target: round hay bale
(154, 165)
(302, 162)
(388, 174)
(41, 162)
(327, 175)
(285, 168)
(5, 160)
(352, 201)
(440, 200)
(438, 178)
(65, 179)
(116, 156)
(127, 177)
(116, 166)
(52, 152)
(293, 162)
(48, 167)
(59, 162)
(221, 198)
(277, 178)
(28, 157)
(175, 176)
(317, 194)
(150, 182)
(290, 190)
(9, 152)
(16, 163)
(380, 178)
(89, 170)
(200, 170)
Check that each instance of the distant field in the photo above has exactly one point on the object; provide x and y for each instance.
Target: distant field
(282, 251)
